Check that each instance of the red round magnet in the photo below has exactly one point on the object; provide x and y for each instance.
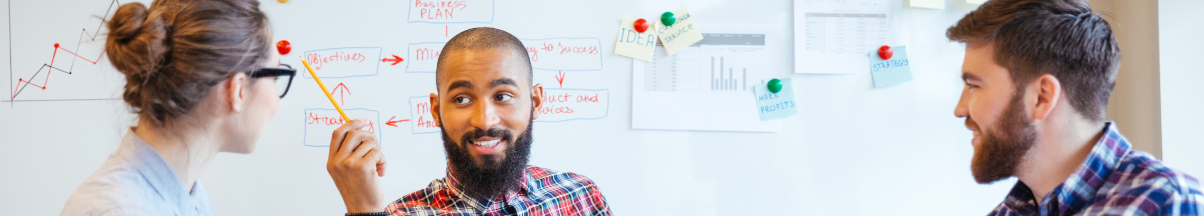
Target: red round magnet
(641, 25)
(885, 52)
(284, 47)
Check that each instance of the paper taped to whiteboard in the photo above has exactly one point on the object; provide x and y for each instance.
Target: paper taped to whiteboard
(706, 86)
(832, 37)
(888, 72)
(778, 105)
(681, 34)
(931, 4)
(633, 44)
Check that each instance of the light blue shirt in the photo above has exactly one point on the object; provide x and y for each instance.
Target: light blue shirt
(135, 180)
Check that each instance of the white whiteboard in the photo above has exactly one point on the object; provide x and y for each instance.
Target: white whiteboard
(851, 150)
(1179, 84)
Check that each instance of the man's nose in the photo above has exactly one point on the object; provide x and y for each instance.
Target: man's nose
(484, 116)
(962, 109)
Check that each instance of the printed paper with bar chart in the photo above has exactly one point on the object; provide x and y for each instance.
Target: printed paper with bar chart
(707, 86)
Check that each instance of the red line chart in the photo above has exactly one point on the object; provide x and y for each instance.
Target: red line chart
(47, 69)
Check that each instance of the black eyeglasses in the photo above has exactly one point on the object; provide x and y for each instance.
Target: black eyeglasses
(277, 72)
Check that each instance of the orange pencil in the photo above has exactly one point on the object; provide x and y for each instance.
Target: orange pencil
(316, 79)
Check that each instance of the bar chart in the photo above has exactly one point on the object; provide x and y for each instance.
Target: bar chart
(729, 81)
(718, 63)
(707, 86)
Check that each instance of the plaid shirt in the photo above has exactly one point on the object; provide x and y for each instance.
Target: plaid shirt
(542, 192)
(1113, 180)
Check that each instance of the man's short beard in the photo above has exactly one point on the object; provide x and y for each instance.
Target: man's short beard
(493, 178)
(1003, 148)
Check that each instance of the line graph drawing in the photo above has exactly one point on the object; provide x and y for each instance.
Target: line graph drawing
(40, 79)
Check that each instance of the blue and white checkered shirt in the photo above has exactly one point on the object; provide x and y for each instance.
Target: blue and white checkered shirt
(1113, 180)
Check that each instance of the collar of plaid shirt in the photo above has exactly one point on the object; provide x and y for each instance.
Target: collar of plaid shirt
(1113, 180)
(541, 192)
(481, 205)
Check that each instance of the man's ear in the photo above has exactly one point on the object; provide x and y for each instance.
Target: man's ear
(1049, 91)
(235, 95)
(435, 109)
(536, 100)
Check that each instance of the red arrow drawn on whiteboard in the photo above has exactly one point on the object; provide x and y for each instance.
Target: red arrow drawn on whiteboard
(560, 79)
(344, 90)
(393, 123)
(396, 59)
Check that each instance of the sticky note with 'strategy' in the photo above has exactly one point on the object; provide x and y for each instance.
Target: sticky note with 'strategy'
(776, 105)
(681, 34)
(634, 44)
(892, 71)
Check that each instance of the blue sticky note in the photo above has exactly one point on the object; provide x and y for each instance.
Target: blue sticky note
(776, 105)
(891, 71)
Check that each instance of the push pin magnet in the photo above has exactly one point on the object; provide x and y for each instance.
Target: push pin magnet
(885, 52)
(668, 19)
(641, 25)
(774, 85)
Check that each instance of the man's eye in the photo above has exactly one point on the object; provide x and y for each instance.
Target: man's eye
(503, 97)
(971, 85)
(461, 100)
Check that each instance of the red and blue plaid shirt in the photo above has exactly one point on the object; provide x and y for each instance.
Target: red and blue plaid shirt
(1113, 180)
(542, 192)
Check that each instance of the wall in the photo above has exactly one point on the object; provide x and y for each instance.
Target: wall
(1134, 104)
(1181, 81)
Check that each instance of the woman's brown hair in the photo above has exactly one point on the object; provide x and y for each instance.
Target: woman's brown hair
(174, 52)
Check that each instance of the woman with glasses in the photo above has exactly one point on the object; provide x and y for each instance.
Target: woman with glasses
(202, 79)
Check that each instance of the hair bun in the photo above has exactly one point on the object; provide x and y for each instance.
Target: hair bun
(136, 47)
(136, 44)
(167, 74)
(127, 21)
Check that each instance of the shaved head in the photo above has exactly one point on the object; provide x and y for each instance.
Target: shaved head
(484, 108)
(483, 38)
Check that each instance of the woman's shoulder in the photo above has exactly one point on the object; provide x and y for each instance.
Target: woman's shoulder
(117, 188)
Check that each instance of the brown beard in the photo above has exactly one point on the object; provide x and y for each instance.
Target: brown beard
(1003, 148)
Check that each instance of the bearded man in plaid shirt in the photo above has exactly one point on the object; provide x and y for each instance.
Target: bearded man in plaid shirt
(484, 107)
(1037, 78)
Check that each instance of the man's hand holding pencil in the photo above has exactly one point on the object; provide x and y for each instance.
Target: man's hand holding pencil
(355, 161)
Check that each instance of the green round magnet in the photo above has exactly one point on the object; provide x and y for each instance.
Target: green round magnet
(775, 85)
(668, 19)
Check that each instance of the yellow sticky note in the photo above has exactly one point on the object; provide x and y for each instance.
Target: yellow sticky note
(681, 34)
(634, 44)
(934, 4)
(976, 1)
